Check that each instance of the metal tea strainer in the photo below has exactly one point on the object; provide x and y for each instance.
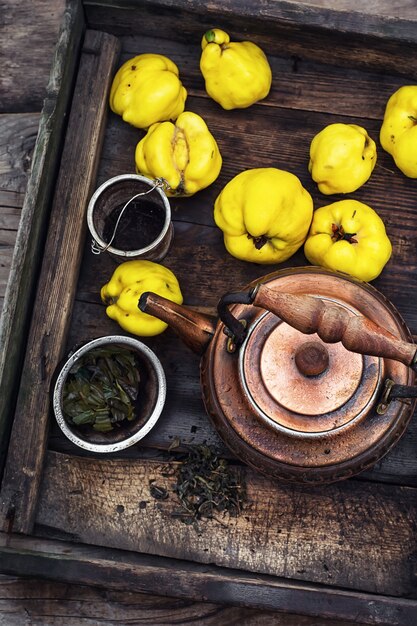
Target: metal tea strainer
(113, 193)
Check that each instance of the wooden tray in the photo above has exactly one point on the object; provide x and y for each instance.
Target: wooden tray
(345, 551)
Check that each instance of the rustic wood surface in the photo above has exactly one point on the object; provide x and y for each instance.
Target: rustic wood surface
(131, 571)
(32, 601)
(17, 137)
(285, 28)
(335, 535)
(35, 602)
(48, 333)
(29, 35)
(30, 237)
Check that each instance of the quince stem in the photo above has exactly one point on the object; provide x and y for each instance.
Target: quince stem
(210, 36)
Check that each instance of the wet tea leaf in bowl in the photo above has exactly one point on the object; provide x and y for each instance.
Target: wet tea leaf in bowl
(102, 389)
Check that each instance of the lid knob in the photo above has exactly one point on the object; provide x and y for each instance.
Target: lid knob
(312, 358)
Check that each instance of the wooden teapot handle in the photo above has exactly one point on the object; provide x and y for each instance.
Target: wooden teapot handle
(357, 333)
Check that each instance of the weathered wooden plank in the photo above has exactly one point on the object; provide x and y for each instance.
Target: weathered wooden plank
(293, 78)
(10, 215)
(120, 570)
(405, 9)
(25, 264)
(313, 32)
(7, 243)
(6, 252)
(7, 238)
(354, 535)
(17, 140)
(62, 256)
(306, 12)
(29, 35)
(78, 605)
(10, 200)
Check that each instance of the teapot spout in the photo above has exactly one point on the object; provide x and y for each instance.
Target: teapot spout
(195, 329)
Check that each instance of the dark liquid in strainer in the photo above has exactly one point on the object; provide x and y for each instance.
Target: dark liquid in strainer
(141, 223)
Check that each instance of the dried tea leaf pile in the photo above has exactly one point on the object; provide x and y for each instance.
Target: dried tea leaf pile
(206, 484)
(102, 389)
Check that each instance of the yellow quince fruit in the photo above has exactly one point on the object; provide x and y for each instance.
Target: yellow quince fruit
(185, 154)
(348, 236)
(398, 134)
(265, 214)
(146, 90)
(128, 282)
(237, 74)
(342, 158)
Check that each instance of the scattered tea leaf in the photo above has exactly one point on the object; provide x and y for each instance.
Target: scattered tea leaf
(176, 442)
(206, 484)
(157, 492)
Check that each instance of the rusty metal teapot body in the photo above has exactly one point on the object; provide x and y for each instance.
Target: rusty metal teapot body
(307, 375)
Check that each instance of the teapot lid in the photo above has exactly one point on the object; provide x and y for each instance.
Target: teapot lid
(302, 386)
(297, 408)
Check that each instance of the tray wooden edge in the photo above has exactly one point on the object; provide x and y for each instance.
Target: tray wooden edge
(121, 570)
(378, 23)
(27, 256)
(56, 284)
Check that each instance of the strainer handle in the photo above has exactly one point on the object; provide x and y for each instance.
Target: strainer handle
(310, 314)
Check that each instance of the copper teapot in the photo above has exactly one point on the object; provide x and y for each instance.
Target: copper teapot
(307, 375)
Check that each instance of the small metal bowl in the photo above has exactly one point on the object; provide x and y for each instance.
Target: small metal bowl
(153, 396)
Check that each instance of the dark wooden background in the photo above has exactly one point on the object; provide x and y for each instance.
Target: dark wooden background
(29, 33)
